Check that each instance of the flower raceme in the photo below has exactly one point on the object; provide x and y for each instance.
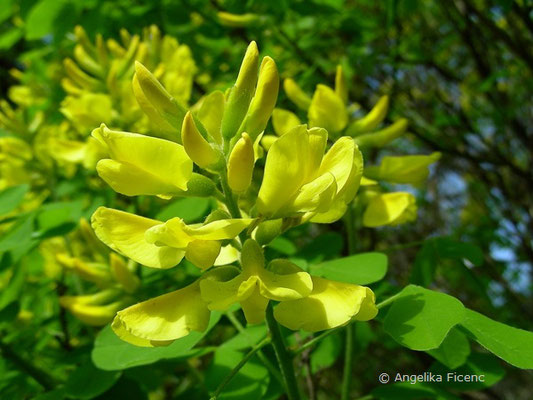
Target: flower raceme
(306, 302)
(302, 181)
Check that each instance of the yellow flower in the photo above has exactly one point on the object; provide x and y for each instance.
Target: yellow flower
(390, 209)
(159, 321)
(95, 309)
(402, 169)
(327, 110)
(254, 285)
(330, 304)
(241, 164)
(159, 244)
(300, 179)
(283, 121)
(132, 169)
(370, 121)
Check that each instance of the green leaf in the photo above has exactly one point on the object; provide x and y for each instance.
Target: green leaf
(54, 215)
(251, 335)
(511, 344)
(190, 209)
(11, 197)
(453, 351)
(420, 318)
(87, 381)
(283, 245)
(483, 366)
(250, 382)
(360, 269)
(326, 353)
(110, 353)
(436, 249)
(18, 237)
(42, 18)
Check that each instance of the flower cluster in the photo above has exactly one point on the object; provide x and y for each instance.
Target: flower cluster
(214, 153)
(329, 108)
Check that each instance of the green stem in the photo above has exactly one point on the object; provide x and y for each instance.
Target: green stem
(232, 205)
(386, 302)
(283, 356)
(40, 376)
(275, 373)
(228, 196)
(315, 340)
(348, 361)
(349, 223)
(241, 364)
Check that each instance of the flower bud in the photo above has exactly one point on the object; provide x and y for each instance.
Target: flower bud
(198, 149)
(296, 94)
(120, 271)
(264, 100)
(155, 101)
(79, 77)
(237, 20)
(199, 186)
(372, 119)
(241, 94)
(241, 164)
(268, 231)
(87, 62)
(341, 88)
(384, 136)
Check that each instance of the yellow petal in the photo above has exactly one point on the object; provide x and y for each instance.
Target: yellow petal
(330, 304)
(228, 254)
(316, 195)
(241, 94)
(167, 317)
(220, 286)
(125, 233)
(95, 315)
(241, 164)
(384, 136)
(341, 87)
(198, 149)
(126, 278)
(339, 161)
(254, 307)
(264, 99)
(296, 94)
(283, 121)
(210, 114)
(390, 209)
(327, 110)
(172, 170)
(372, 119)
(218, 230)
(203, 253)
(403, 169)
(285, 170)
(283, 281)
(149, 90)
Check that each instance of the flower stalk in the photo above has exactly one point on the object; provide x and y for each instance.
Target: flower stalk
(283, 356)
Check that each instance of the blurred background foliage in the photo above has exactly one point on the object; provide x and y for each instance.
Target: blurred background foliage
(459, 70)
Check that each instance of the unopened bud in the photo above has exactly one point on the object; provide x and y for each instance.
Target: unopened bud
(198, 149)
(296, 94)
(241, 164)
(264, 99)
(241, 94)
(384, 136)
(372, 119)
